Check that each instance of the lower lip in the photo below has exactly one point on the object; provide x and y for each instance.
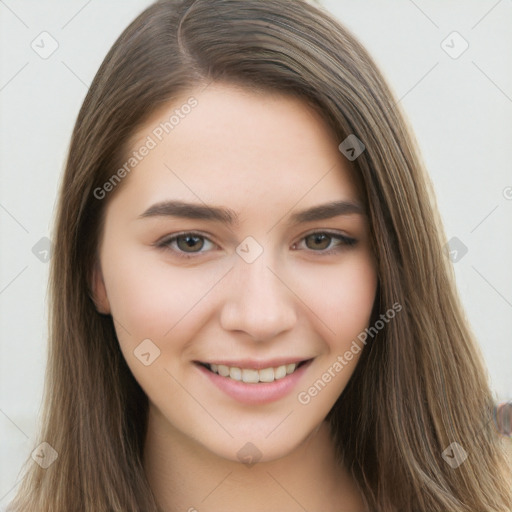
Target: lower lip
(256, 394)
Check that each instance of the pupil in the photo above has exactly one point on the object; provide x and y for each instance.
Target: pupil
(190, 241)
(319, 238)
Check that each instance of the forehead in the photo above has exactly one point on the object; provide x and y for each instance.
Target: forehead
(238, 148)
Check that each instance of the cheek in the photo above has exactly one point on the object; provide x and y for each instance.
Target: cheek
(150, 298)
(147, 299)
(153, 301)
(345, 298)
(344, 305)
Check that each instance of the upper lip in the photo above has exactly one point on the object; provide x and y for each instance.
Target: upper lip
(257, 364)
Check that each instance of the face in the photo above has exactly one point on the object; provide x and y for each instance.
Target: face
(216, 258)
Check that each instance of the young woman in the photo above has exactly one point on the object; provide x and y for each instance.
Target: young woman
(251, 304)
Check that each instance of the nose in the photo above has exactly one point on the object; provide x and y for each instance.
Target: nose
(257, 301)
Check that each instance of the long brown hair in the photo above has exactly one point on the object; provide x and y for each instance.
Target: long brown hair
(419, 386)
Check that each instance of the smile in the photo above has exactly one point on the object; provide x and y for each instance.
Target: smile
(253, 375)
(253, 382)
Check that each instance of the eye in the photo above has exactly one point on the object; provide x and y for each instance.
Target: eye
(185, 243)
(320, 241)
(190, 244)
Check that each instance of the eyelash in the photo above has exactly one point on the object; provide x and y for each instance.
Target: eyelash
(345, 242)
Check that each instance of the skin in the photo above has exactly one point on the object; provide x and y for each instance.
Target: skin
(265, 157)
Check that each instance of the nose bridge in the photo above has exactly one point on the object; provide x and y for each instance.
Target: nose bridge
(258, 281)
(258, 302)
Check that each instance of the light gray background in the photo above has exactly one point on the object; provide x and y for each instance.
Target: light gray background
(460, 109)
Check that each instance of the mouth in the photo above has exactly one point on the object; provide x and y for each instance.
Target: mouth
(254, 375)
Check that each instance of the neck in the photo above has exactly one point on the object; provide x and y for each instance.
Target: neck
(185, 476)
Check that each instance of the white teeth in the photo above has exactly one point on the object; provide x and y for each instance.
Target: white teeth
(254, 376)
(266, 375)
(235, 373)
(290, 368)
(223, 370)
(250, 376)
(280, 372)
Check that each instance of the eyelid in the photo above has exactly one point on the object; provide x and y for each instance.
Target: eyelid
(345, 241)
(163, 243)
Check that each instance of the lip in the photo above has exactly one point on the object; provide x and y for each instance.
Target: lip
(260, 393)
(253, 364)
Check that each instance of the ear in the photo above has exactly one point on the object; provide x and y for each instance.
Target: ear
(98, 292)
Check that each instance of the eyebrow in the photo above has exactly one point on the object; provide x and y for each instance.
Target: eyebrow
(228, 216)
